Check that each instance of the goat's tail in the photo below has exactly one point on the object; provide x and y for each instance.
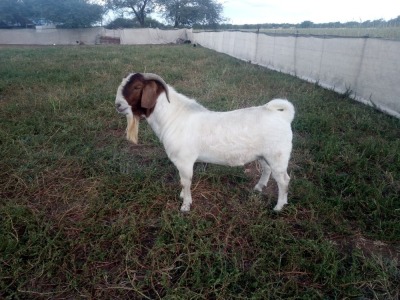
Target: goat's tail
(283, 107)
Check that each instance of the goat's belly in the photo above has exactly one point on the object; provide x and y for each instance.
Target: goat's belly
(230, 149)
(226, 158)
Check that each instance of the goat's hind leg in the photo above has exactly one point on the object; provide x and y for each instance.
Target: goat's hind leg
(266, 173)
(282, 179)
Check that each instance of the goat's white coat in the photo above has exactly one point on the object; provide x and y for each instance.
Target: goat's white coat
(190, 133)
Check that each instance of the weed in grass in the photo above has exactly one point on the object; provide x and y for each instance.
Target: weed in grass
(85, 214)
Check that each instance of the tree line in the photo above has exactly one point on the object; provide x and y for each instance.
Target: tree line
(65, 13)
(395, 22)
(87, 13)
(206, 14)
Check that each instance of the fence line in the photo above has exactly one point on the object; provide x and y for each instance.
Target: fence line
(366, 68)
(49, 36)
(89, 36)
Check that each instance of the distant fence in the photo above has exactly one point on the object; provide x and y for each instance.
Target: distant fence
(366, 68)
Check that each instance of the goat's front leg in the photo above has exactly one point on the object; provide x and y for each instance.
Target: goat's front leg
(185, 173)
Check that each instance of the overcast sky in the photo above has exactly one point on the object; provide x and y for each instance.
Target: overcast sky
(317, 11)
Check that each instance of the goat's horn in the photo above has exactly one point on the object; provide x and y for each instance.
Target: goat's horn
(151, 76)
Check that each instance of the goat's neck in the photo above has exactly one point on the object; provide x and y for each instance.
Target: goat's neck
(172, 115)
(163, 116)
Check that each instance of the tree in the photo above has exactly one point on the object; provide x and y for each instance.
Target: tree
(191, 12)
(14, 12)
(133, 23)
(66, 13)
(306, 24)
(72, 13)
(139, 8)
(121, 23)
(394, 22)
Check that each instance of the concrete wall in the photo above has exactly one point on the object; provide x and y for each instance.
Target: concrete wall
(369, 68)
(146, 36)
(89, 36)
(50, 36)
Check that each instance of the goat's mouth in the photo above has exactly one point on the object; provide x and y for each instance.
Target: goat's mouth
(123, 110)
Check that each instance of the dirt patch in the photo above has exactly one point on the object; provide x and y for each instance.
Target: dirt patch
(64, 193)
(368, 247)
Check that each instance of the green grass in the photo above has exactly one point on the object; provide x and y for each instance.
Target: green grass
(85, 214)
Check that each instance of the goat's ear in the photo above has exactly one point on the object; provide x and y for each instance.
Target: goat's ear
(149, 95)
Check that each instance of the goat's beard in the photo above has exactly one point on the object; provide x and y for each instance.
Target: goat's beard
(132, 129)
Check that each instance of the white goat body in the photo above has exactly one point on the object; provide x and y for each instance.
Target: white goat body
(190, 133)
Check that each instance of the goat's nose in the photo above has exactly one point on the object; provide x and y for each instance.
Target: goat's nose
(117, 105)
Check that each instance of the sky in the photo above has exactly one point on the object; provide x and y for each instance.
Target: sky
(317, 11)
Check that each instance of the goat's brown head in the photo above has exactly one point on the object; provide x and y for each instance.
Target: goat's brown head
(139, 92)
(137, 96)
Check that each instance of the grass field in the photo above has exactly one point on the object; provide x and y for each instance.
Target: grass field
(85, 214)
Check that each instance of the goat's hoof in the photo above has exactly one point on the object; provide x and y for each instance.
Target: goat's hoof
(278, 208)
(258, 188)
(185, 208)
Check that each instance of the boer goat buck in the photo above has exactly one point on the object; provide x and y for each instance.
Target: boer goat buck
(191, 133)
